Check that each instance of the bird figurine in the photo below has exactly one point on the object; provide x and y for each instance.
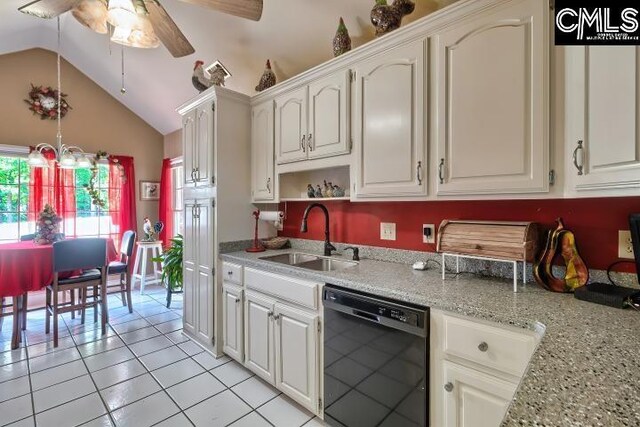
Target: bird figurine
(318, 191)
(149, 232)
(388, 18)
(268, 78)
(329, 189)
(218, 75)
(338, 191)
(342, 41)
(310, 191)
(200, 81)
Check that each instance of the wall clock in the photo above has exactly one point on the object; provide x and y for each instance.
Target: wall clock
(43, 101)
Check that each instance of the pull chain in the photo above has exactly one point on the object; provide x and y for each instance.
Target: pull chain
(122, 89)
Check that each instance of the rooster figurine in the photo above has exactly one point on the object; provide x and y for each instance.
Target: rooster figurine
(200, 81)
(268, 78)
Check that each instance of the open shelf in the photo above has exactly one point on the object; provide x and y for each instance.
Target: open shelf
(293, 185)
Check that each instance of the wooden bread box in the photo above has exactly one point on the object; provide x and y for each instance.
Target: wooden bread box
(499, 240)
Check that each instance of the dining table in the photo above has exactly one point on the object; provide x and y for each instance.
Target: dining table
(26, 267)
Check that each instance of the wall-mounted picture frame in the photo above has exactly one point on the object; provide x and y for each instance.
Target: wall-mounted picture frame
(149, 190)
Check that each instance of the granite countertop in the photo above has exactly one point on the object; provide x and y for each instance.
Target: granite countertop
(584, 372)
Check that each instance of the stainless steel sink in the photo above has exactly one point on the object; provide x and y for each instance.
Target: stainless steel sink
(327, 264)
(292, 258)
(311, 262)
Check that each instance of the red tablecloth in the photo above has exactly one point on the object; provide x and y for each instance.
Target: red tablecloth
(25, 266)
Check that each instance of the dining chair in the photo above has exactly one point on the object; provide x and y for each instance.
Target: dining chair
(121, 267)
(89, 257)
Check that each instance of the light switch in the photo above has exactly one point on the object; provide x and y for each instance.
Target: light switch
(388, 231)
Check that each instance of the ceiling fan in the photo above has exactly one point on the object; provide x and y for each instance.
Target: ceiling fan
(138, 23)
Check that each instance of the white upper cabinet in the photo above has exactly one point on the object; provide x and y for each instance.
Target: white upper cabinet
(198, 145)
(603, 135)
(291, 126)
(491, 86)
(313, 121)
(262, 176)
(328, 129)
(390, 123)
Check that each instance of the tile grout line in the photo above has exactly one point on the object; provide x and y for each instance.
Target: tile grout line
(33, 404)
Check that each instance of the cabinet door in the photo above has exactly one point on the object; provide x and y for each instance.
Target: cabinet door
(204, 161)
(258, 334)
(189, 146)
(205, 298)
(262, 152)
(189, 268)
(232, 318)
(291, 126)
(297, 363)
(603, 92)
(390, 124)
(492, 103)
(475, 399)
(328, 131)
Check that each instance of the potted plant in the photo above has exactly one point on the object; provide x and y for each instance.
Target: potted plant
(172, 267)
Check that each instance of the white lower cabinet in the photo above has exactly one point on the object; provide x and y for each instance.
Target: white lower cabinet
(297, 349)
(474, 399)
(233, 321)
(278, 336)
(259, 345)
(475, 368)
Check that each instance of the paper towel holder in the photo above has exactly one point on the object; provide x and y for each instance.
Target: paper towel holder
(257, 246)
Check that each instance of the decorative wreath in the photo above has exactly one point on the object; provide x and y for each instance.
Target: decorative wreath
(91, 186)
(44, 102)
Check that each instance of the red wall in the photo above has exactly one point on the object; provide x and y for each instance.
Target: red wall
(595, 222)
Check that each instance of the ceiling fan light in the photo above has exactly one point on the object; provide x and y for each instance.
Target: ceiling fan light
(36, 159)
(121, 13)
(121, 36)
(92, 14)
(142, 35)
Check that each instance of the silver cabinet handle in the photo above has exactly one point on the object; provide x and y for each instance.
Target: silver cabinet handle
(270, 314)
(193, 171)
(309, 142)
(197, 174)
(441, 171)
(237, 300)
(193, 211)
(575, 157)
(269, 185)
(483, 346)
(303, 144)
(230, 273)
(448, 387)
(197, 206)
(276, 317)
(419, 173)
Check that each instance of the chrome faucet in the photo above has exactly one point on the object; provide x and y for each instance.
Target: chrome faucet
(328, 247)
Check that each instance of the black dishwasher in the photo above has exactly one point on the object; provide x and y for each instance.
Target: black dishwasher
(376, 361)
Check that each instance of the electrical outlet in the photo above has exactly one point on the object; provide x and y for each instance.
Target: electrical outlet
(625, 248)
(428, 233)
(387, 231)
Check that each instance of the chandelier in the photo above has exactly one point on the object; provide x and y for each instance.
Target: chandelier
(67, 156)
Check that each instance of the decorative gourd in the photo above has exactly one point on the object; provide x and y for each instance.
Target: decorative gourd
(561, 242)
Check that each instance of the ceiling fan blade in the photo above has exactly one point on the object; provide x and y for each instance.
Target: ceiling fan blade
(167, 30)
(250, 9)
(47, 8)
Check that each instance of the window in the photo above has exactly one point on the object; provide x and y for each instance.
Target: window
(82, 218)
(176, 199)
(14, 198)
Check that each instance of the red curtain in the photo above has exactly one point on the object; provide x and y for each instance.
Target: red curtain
(165, 207)
(56, 187)
(122, 195)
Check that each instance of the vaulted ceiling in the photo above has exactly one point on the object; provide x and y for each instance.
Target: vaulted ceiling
(295, 34)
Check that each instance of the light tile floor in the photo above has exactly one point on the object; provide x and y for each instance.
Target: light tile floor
(144, 372)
